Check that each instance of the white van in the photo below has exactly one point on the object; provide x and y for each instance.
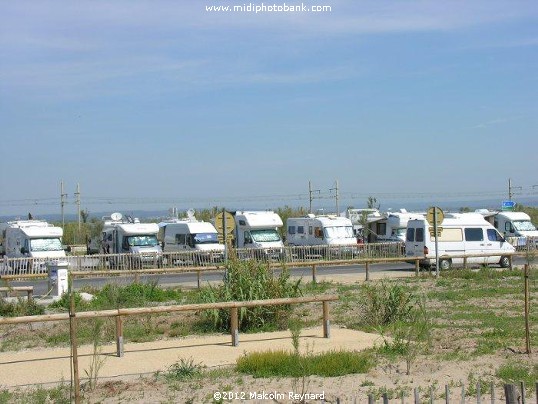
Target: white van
(191, 235)
(462, 234)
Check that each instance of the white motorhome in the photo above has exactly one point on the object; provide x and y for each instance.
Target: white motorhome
(31, 238)
(516, 227)
(320, 230)
(184, 235)
(362, 216)
(126, 235)
(259, 230)
(462, 234)
(393, 227)
(35, 239)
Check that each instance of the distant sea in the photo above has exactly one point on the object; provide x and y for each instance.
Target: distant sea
(448, 205)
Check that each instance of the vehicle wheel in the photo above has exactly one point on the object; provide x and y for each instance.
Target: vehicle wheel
(444, 264)
(504, 262)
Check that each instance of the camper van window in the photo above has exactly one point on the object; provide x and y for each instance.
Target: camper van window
(180, 239)
(291, 229)
(142, 241)
(419, 235)
(318, 233)
(45, 244)
(310, 230)
(474, 234)
(206, 238)
(264, 235)
(449, 235)
(300, 229)
(339, 232)
(524, 225)
(410, 234)
(493, 235)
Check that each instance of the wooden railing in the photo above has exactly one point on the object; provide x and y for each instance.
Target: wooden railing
(118, 314)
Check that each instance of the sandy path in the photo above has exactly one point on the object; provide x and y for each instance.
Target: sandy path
(46, 366)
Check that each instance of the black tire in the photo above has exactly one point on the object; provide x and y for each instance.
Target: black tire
(504, 261)
(445, 264)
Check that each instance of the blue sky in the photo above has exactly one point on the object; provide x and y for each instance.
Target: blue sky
(152, 104)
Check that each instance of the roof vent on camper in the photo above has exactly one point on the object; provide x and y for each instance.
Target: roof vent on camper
(311, 215)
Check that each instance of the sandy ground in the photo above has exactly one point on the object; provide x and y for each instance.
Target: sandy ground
(52, 366)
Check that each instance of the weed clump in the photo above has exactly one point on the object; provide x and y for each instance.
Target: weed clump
(247, 281)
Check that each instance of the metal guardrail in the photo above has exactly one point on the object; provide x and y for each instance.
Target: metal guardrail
(111, 262)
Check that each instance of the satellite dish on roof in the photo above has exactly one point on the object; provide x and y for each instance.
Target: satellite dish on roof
(190, 215)
(116, 216)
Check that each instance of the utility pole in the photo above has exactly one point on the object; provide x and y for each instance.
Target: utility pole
(311, 197)
(335, 195)
(62, 201)
(510, 187)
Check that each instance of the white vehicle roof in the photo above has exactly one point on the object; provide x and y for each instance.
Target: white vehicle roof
(133, 229)
(462, 219)
(515, 215)
(259, 219)
(35, 228)
(325, 221)
(192, 227)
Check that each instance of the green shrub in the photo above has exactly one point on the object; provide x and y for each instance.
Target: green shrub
(114, 296)
(247, 281)
(184, 369)
(22, 307)
(516, 372)
(386, 303)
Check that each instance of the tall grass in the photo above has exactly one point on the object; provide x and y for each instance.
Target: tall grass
(247, 281)
(282, 363)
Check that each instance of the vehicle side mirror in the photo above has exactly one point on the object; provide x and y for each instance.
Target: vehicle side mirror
(67, 248)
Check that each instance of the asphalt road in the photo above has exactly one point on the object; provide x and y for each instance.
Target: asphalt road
(351, 273)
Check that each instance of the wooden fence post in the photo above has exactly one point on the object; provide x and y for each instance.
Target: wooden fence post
(74, 350)
(326, 322)
(417, 267)
(371, 399)
(492, 393)
(314, 273)
(119, 336)
(462, 394)
(198, 276)
(511, 393)
(367, 271)
(527, 311)
(385, 398)
(234, 326)
(478, 396)
(417, 396)
(447, 394)
(522, 390)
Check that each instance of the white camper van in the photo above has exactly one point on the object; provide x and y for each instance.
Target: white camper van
(516, 227)
(322, 235)
(126, 235)
(186, 235)
(393, 228)
(32, 238)
(259, 230)
(464, 233)
(320, 230)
